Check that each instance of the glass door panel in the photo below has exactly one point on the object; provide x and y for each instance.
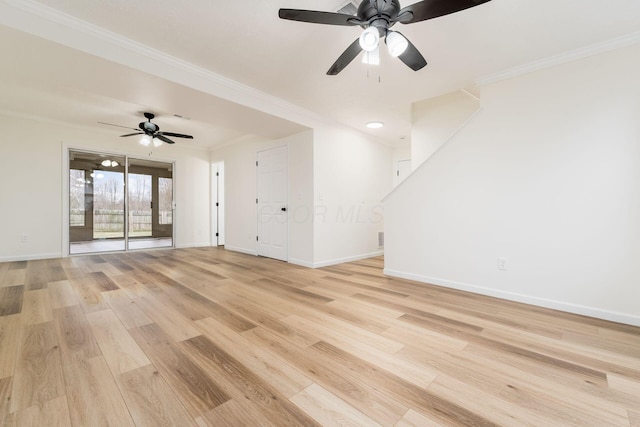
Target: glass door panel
(108, 204)
(165, 202)
(140, 205)
(96, 202)
(151, 204)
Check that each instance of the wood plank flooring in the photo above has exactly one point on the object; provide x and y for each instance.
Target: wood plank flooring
(208, 337)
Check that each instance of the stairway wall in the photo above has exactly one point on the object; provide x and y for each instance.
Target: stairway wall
(547, 177)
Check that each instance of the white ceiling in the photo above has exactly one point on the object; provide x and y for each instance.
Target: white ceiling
(239, 52)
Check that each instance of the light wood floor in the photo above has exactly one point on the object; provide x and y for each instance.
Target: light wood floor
(211, 337)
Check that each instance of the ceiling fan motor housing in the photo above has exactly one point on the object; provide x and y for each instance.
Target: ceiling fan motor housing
(379, 15)
(148, 127)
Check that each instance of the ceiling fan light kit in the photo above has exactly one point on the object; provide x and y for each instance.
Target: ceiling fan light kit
(145, 140)
(109, 163)
(396, 43)
(369, 39)
(377, 17)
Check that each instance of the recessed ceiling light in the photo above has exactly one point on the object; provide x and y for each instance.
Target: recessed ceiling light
(375, 125)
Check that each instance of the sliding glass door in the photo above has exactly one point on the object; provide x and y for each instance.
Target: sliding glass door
(118, 203)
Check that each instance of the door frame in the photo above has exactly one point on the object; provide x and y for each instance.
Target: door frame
(397, 170)
(66, 148)
(157, 229)
(217, 204)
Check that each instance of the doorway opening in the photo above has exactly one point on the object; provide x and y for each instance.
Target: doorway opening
(217, 204)
(403, 170)
(117, 203)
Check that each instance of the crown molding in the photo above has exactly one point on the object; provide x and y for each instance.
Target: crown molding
(18, 115)
(78, 34)
(563, 58)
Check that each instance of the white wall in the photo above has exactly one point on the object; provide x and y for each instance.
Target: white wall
(352, 175)
(435, 121)
(301, 177)
(546, 176)
(192, 177)
(337, 178)
(30, 190)
(240, 194)
(31, 185)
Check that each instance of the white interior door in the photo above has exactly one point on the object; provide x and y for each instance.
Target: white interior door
(272, 203)
(403, 170)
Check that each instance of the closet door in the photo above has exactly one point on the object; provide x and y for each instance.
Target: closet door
(272, 203)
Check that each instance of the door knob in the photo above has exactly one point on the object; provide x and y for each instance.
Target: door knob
(283, 209)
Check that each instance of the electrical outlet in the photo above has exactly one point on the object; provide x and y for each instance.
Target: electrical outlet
(502, 264)
(24, 238)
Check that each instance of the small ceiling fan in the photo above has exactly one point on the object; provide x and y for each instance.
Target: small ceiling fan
(151, 132)
(377, 17)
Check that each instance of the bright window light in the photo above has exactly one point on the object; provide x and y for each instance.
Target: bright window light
(372, 57)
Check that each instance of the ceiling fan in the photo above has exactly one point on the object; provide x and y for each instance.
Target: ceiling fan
(151, 132)
(377, 17)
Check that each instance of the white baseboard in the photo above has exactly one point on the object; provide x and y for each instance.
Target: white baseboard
(301, 263)
(32, 257)
(614, 316)
(347, 259)
(193, 245)
(309, 264)
(242, 250)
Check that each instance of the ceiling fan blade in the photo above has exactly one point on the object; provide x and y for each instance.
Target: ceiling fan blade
(429, 9)
(111, 124)
(132, 134)
(177, 135)
(317, 17)
(412, 57)
(163, 138)
(345, 59)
